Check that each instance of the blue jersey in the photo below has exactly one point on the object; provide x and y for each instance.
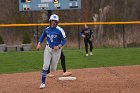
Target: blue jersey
(54, 35)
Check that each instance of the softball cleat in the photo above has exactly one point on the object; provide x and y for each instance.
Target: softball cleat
(50, 75)
(67, 74)
(42, 86)
(86, 54)
(90, 53)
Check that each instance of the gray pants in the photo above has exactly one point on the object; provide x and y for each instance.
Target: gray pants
(51, 57)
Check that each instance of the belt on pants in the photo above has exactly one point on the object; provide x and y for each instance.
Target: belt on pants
(50, 46)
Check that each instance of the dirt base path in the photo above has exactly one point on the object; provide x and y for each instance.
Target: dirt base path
(93, 80)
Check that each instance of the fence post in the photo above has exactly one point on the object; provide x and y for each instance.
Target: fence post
(78, 38)
(37, 33)
(123, 36)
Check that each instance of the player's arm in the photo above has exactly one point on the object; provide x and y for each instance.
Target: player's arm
(38, 45)
(92, 35)
(63, 42)
(63, 39)
(41, 39)
(82, 34)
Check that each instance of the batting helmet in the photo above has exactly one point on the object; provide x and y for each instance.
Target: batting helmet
(54, 17)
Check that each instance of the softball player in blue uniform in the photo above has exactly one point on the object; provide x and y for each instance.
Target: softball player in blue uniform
(87, 34)
(56, 38)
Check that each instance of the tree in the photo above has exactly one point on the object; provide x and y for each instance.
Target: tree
(26, 38)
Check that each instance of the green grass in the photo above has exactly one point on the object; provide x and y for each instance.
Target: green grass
(13, 62)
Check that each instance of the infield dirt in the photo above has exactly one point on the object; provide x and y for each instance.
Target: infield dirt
(123, 79)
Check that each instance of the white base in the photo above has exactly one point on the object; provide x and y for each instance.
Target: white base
(67, 78)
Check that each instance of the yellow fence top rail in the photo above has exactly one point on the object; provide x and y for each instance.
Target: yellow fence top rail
(70, 24)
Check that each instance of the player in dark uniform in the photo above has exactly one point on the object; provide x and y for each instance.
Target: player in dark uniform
(87, 34)
(65, 72)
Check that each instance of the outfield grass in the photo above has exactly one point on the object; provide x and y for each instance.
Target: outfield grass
(12, 62)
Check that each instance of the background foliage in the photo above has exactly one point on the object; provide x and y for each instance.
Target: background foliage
(1, 40)
(102, 10)
(26, 38)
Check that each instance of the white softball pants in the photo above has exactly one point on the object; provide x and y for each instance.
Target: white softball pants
(51, 57)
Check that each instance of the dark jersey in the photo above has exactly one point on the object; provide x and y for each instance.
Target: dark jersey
(87, 32)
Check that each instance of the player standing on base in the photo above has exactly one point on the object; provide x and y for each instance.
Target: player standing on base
(87, 34)
(63, 64)
(56, 38)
